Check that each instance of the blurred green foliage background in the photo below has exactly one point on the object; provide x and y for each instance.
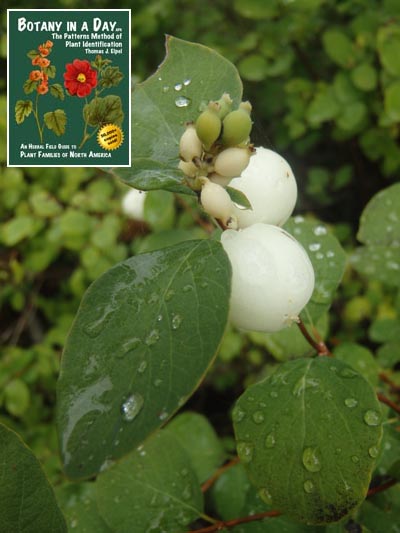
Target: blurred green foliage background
(324, 80)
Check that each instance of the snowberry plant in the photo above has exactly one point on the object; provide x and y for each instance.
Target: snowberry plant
(308, 432)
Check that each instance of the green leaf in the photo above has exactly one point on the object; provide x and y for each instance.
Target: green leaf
(107, 110)
(153, 175)
(44, 205)
(50, 71)
(378, 262)
(344, 89)
(30, 86)
(57, 91)
(56, 121)
(308, 434)
(111, 77)
(390, 451)
(32, 54)
(359, 358)
(28, 504)
(233, 496)
(145, 334)
(289, 343)
(364, 77)
(257, 9)
(327, 257)
(392, 101)
(190, 75)
(385, 330)
(16, 397)
(388, 355)
(238, 197)
(323, 107)
(380, 220)
(153, 488)
(159, 210)
(198, 437)
(18, 229)
(253, 67)
(388, 44)
(377, 520)
(352, 116)
(338, 47)
(23, 108)
(78, 503)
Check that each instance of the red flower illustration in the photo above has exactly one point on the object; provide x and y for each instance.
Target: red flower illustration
(80, 78)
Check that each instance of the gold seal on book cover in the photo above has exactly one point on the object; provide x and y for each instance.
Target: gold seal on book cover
(110, 137)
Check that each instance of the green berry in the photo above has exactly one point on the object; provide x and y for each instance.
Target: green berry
(237, 126)
(208, 125)
(225, 105)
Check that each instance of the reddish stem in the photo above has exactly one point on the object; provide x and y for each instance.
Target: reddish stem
(381, 488)
(382, 398)
(320, 347)
(218, 526)
(386, 379)
(210, 482)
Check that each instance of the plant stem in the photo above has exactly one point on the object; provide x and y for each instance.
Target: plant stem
(227, 524)
(386, 379)
(382, 398)
(381, 488)
(210, 482)
(320, 347)
(36, 114)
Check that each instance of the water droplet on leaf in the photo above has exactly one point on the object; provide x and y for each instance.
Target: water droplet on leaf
(182, 101)
(355, 459)
(142, 367)
(163, 415)
(187, 82)
(314, 246)
(308, 486)
(176, 321)
(245, 451)
(270, 440)
(132, 407)
(372, 418)
(311, 460)
(320, 230)
(373, 451)
(238, 414)
(351, 402)
(258, 417)
(348, 373)
(130, 344)
(178, 86)
(152, 337)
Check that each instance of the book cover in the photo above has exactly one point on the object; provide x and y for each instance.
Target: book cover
(69, 87)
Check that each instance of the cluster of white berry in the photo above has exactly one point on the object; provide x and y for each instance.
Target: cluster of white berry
(272, 275)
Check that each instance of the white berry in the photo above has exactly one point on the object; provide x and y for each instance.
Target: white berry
(216, 201)
(272, 277)
(190, 145)
(133, 204)
(231, 162)
(269, 185)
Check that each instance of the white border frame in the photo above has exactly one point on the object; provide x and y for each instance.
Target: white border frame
(130, 91)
